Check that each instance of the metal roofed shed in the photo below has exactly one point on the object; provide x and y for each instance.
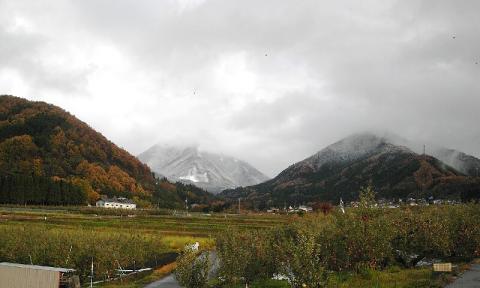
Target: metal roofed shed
(13, 275)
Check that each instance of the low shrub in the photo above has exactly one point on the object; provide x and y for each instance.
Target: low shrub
(192, 269)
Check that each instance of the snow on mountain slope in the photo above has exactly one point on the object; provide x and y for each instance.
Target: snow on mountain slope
(349, 149)
(352, 148)
(341, 169)
(207, 170)
(464, 163)
(360, 144)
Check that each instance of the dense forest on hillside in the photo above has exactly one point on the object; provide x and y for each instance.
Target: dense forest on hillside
(47, 156)
(173, 195)
(43, 140)
(394, 175)
(38, 190)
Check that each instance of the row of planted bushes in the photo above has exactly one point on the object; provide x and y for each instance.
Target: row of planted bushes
(76, 248)
(309, 249)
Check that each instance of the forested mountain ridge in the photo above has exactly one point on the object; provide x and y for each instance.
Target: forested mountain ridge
(341, 169)
(39, 140)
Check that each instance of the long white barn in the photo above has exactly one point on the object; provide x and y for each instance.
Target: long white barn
(118, 203)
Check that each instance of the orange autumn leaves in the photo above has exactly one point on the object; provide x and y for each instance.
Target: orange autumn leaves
(39, 139)
(18, 155)
(112, 179)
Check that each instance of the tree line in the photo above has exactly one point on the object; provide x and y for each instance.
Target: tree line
(39, 190)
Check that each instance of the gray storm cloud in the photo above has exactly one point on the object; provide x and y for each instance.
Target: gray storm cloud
(270, 82)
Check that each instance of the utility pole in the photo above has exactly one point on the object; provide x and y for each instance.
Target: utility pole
(239, 205)
(68, 256)
(186, 205)
(91, 275)
(424, 152)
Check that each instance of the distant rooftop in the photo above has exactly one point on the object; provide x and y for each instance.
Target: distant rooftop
(36, 267)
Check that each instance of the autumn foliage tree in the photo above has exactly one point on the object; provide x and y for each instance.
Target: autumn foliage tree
(41, 140)
(324, 207)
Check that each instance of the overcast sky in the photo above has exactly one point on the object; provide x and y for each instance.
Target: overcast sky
(269, 82)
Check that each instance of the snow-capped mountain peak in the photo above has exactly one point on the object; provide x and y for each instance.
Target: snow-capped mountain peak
(351, 148)
(214, 172)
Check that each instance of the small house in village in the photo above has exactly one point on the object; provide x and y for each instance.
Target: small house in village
(117, 203)
(13, 275)
(273, 210)
(305, 208)
(301, 208)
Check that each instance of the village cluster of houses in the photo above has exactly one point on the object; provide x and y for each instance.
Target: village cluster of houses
(383, 203)
(290, 209)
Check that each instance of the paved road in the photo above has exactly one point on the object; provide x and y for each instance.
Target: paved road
(469, 279)
(170, 282)
(167, 282)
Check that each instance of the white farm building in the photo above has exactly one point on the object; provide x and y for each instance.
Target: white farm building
(118, 203)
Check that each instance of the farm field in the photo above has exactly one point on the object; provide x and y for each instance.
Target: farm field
(69, 237)
(195, 225)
